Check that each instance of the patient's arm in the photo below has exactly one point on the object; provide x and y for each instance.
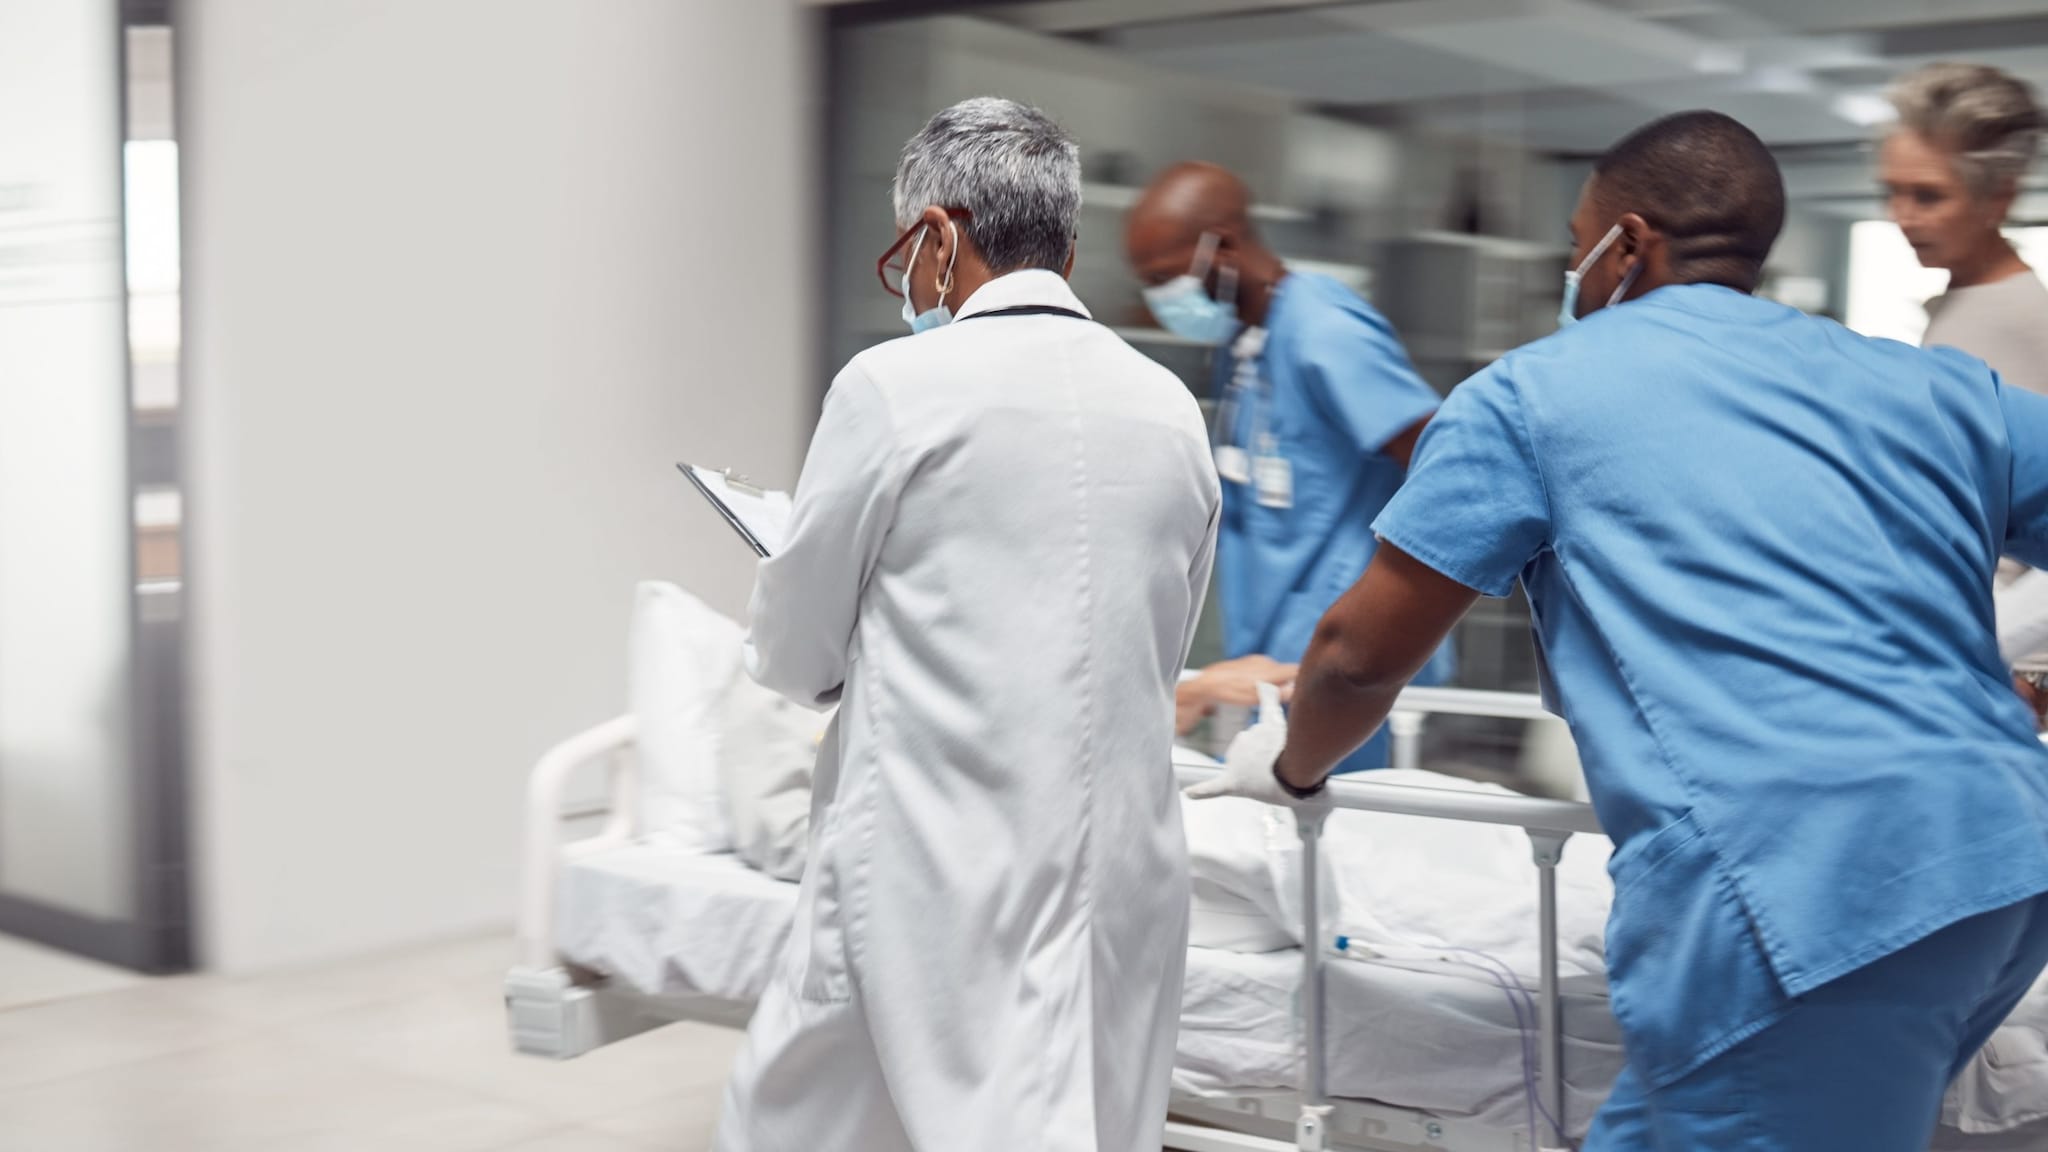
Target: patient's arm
(1230, 682)
(1366, 649)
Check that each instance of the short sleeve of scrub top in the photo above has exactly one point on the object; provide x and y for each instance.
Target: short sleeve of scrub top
(1474, 506)
(2026, 424)
(1358, 377)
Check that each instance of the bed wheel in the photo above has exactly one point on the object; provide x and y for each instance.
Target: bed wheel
(1312, 1131)
(549, 1014)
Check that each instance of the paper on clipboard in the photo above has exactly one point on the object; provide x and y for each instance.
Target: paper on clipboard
(760, 516)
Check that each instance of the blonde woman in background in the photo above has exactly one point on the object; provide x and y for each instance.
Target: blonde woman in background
(1951, 169)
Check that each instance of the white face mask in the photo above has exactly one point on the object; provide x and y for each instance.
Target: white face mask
(1568, 312)
(936, 317)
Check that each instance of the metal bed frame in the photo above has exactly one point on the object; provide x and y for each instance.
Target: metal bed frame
(1549, 823)
(557, 1011)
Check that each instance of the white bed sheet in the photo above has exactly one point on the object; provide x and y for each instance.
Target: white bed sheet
(1455, 1047)
(670, 923)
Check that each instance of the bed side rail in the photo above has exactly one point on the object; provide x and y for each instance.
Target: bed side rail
(605, 745)
(1549, 824)
(1537, 814)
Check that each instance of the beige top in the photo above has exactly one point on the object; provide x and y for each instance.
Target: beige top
(2003, 323)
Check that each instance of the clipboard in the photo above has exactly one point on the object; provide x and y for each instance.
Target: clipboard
(759, 515)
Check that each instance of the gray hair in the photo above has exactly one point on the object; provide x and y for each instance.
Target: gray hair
(1986, 118)
(1015, 171)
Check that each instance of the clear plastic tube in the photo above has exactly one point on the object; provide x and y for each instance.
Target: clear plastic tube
(1520, 1001)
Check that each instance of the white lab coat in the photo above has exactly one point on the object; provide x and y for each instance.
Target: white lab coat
(999, 548)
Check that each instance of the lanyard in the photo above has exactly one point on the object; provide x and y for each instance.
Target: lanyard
(1245, 377)
(1027, 310)
(1262, 466)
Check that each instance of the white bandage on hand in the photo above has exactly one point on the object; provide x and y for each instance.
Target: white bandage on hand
(1248, 765)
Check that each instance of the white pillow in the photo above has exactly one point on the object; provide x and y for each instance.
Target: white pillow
(1230, 845)
(683, 655)
(1406, 887)
(767, 753)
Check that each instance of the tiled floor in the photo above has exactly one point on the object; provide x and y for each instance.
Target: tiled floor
(403, 1053)
(400, 1053)
(31, 974)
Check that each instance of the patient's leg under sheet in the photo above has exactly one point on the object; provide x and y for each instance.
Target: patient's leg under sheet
(1858, 1064)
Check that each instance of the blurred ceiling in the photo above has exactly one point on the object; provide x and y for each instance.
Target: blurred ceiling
(1571, 76)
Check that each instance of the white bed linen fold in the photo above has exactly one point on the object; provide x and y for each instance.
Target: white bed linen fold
(1429, 1035)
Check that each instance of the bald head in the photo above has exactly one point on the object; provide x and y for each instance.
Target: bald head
(1183, 204)
(1190, 199)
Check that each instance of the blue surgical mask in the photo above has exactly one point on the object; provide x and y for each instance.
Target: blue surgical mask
(1184, 307)
(1568, 312)
(940, 315)
(926, 320)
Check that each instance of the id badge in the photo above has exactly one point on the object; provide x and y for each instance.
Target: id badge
(1233, 464)
(1275, 481)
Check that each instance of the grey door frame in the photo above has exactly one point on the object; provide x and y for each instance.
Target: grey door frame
(157, 938)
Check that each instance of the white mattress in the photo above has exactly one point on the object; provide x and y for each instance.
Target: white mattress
(671, 923)
(1441, 1039)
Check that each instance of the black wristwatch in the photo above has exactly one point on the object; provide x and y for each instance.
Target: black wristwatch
(1298, 793)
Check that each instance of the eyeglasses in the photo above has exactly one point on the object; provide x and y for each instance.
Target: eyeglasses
(896, 261)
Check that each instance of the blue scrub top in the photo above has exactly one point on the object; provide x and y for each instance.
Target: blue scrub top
(1338, 388)
(1760, 552)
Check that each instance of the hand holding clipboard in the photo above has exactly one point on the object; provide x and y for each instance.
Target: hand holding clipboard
(760, 516)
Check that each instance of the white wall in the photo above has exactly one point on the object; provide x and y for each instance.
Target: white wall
(463, 279)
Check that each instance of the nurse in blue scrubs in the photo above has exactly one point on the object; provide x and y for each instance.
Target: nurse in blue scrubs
(1759, 548)
(1319, 412)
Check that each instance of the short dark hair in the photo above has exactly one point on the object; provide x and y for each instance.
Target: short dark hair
(1709, 185)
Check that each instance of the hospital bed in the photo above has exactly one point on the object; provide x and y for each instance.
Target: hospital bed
(1302, 1048)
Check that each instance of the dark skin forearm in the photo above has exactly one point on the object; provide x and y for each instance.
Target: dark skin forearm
(1401, 449)
(1366, 649)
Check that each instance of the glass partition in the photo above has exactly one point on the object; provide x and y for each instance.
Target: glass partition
(85, 215)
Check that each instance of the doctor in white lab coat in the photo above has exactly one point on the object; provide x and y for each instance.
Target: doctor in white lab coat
(997, 555)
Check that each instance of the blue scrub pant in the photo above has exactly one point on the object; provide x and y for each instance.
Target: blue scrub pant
(1857, 1065)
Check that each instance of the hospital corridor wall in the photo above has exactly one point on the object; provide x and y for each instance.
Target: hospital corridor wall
(463, 280)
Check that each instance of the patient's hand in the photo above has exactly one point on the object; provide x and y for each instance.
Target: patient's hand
(1232, 682)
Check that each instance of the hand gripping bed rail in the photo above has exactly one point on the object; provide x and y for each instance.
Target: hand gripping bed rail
(1549, 824)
